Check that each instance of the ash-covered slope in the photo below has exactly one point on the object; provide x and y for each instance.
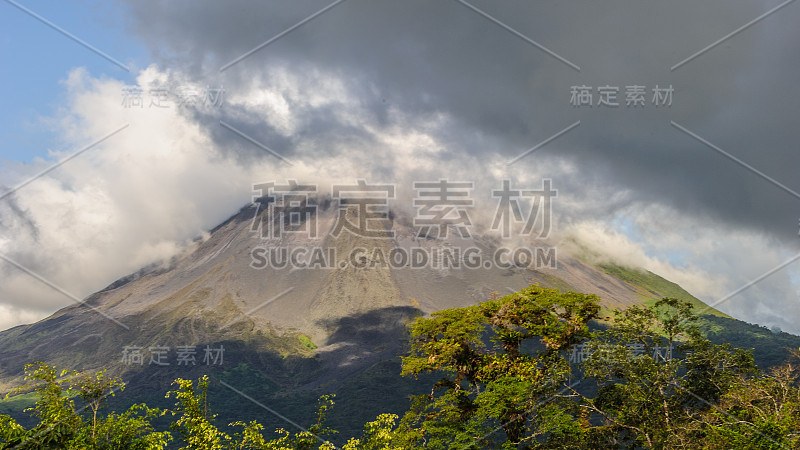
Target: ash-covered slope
(352, 306)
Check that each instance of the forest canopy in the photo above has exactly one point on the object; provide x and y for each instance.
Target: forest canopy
(521, 371)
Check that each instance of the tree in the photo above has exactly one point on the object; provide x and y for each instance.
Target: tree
(195, 422)
(94, 389)
(58, 422)
(502, 364)
(762, 412)
(649, 394)
(378, 435)
(61, 425)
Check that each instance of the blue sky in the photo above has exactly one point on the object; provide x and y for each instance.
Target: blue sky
(36, 58)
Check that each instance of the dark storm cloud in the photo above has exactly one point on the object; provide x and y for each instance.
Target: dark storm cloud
(425, 58)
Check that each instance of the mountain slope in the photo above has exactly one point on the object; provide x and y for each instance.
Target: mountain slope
(289, 334)
(212, 294)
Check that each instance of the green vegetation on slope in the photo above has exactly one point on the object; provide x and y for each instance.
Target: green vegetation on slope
(17, 403)
(770, 349)
(307, 342)
(652, 287)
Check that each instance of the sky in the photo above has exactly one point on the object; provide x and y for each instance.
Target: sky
(669, 129)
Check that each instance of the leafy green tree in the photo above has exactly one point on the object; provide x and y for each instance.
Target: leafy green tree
(58, 422)
(130, 430)
(195, 422)
(648, 395)
(11, 432)
(762, 412)
(503, 367)
(62, 426)
(94, 389)
(378, 435)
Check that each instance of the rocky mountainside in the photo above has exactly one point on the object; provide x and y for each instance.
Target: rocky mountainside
(218, 291)
(237, 305)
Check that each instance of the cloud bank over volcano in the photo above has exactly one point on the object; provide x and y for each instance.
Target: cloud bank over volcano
(397, 92)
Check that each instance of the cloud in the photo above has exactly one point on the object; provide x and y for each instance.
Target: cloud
(143, 194)
(718, 268)
(129, 201)
(428, 59)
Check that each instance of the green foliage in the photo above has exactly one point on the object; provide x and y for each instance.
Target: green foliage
(195, 422)
(503, 382)
(378, 435)
(130, 430)
(94, 389)
(762, 412)
(498, 392)
(197, 430)
(62, 426)
(654, 398)
(503, 367)
(306, 340)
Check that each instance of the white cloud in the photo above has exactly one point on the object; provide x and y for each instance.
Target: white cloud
(125, 203)
(11, 316)
(709, 260)
(142, 195)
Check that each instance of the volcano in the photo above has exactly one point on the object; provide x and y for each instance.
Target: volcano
(300, 313)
